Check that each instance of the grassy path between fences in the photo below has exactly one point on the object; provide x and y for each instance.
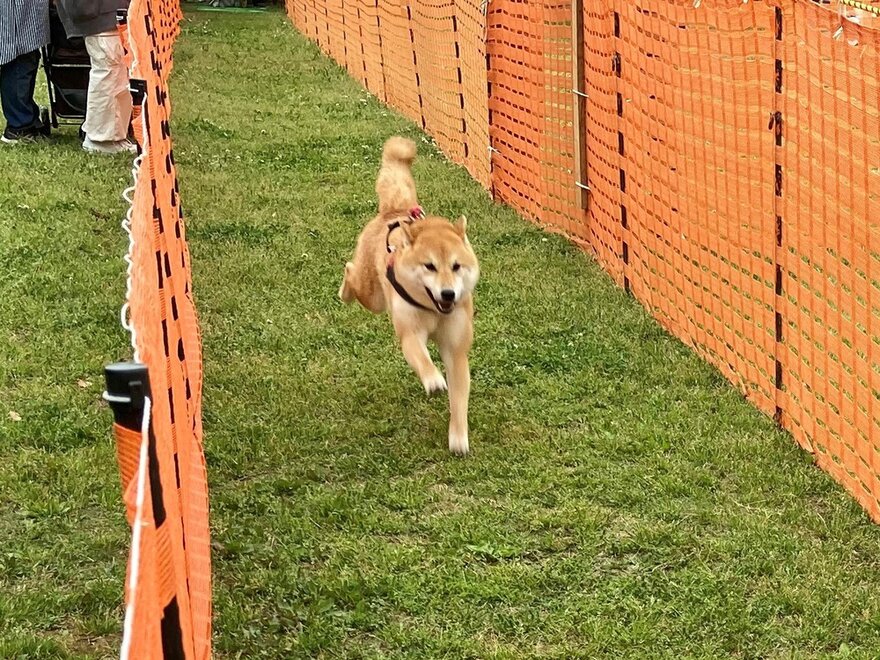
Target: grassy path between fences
(621, 499)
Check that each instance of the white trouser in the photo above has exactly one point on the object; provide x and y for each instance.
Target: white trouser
(108, 111)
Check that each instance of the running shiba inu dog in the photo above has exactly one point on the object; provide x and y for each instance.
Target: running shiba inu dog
(422, 270)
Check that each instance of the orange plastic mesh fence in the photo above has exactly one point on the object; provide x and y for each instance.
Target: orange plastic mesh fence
(531, 108)
(830, 252)
(602, 127)
(732, 156)
(697, 178)
(172, 596)
(426, 59)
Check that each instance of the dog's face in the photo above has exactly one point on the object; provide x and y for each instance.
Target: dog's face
(439, 261)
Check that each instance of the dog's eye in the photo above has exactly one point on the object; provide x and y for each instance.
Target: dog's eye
(431, 267)
(455, 267)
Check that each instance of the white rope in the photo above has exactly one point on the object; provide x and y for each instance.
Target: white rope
(128, 196)
(137, 527)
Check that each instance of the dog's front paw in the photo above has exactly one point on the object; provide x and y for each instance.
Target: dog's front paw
(458, 444)
(434, 383)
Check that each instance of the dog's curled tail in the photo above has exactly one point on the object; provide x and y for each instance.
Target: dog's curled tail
(399, 150)
(395, 185)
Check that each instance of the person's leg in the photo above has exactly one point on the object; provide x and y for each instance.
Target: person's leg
(108, 111)
(18, 80)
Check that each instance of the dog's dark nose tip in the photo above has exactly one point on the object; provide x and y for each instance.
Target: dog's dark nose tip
(448, 295)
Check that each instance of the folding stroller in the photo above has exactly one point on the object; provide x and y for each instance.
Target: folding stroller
(67, 67)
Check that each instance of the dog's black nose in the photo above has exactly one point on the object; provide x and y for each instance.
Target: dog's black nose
(448, 295)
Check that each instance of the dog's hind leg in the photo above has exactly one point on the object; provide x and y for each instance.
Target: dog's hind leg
(354, 287)
(346, 292)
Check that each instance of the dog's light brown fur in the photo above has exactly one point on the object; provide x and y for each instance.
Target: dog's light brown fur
(430, 256)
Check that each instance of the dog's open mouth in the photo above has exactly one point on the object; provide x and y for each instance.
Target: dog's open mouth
(443, 306)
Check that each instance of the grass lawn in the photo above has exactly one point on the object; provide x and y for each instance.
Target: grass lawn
(621, 500)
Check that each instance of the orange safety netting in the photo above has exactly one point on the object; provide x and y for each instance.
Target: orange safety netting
(171, 596)
(696, 178)
(531, 108)
(732, 153)
(830, 248)
(428, 60)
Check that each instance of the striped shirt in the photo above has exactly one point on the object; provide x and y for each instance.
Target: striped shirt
(24, 27)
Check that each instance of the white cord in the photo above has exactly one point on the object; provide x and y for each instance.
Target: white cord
(137, 527)
(128, 196)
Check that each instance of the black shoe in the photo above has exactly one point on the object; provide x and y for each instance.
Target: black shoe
(22, 135)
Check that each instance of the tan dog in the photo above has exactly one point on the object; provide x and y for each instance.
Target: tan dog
(422, 270)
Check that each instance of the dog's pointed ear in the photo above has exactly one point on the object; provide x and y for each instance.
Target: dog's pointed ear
(461, 226)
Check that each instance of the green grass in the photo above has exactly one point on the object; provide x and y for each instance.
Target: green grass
(621, 499)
